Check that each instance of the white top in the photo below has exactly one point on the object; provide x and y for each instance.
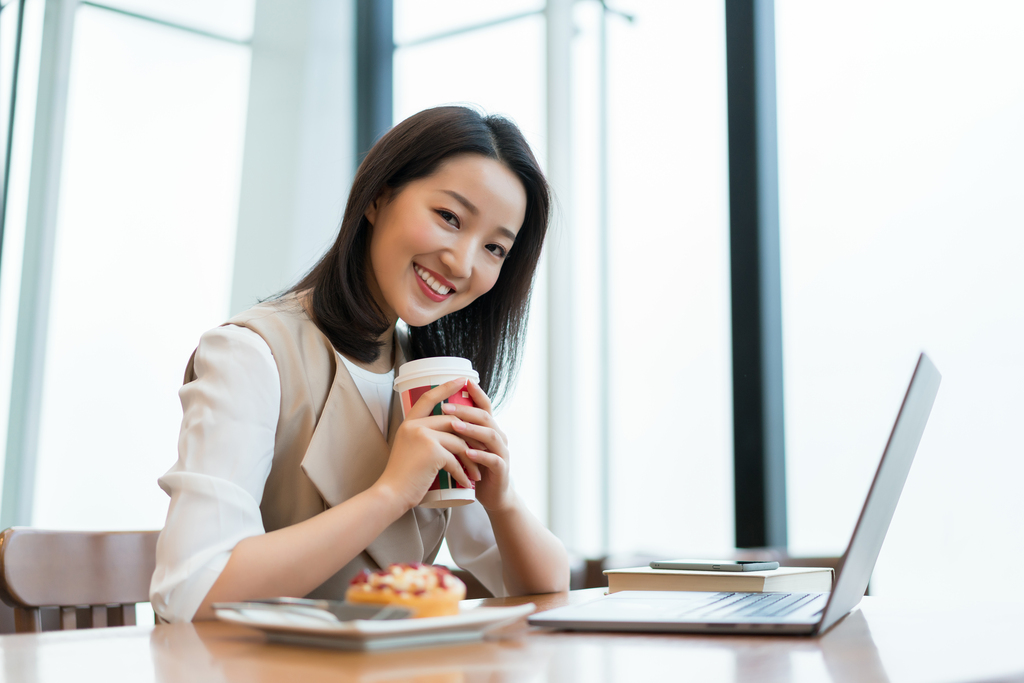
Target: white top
(374, 388)
(225, 449)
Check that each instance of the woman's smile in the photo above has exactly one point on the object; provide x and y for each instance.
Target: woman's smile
(432, 284)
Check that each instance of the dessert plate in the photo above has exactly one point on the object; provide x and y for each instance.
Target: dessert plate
(319, 628)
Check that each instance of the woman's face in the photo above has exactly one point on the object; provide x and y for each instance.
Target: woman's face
(439, 242)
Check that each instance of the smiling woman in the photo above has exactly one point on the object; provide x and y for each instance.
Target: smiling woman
(443, 236)
(295, 470)
(439, 152)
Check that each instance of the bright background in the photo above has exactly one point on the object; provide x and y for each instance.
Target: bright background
(901, 230)
(900, 147)
(151, 170)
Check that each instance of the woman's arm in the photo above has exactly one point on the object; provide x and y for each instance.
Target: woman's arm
(294, 560)
(533, 560)
(225, 453)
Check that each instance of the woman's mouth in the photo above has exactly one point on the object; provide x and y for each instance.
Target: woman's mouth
(430, 284)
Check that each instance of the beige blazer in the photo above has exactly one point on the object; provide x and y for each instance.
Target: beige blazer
(327, 447)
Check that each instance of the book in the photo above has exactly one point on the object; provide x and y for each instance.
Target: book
(781, 580)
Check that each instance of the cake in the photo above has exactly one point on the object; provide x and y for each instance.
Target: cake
(427, 590)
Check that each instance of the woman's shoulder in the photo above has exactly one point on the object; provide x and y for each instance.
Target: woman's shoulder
(287, 307)
(282, 320)
(231, 350)
(298, 345)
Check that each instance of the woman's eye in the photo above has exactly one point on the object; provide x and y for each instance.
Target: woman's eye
(497, 250)
(448, 217)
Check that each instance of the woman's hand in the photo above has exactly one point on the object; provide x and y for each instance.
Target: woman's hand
(533, 560)
(487, 449)
(424, 445)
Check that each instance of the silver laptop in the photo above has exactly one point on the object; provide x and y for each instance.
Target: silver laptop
(770, 613)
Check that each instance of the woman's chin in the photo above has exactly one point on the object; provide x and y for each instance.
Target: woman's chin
(417, 318)
(418, 314)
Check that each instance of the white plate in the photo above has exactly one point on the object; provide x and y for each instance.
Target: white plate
(361, 634)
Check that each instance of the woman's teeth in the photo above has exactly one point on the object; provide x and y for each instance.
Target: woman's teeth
(431, 282)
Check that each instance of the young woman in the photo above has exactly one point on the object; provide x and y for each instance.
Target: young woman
(295, 468)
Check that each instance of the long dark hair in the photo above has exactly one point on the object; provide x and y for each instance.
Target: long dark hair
(491, 330)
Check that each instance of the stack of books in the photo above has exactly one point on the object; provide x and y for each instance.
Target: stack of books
(781, 580)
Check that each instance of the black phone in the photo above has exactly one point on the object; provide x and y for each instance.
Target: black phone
(716, 565)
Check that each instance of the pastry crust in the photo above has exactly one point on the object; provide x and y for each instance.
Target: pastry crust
(427, 590)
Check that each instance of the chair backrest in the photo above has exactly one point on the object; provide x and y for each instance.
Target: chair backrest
(101, 573)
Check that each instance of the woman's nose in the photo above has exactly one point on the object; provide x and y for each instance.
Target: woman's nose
(459, 259)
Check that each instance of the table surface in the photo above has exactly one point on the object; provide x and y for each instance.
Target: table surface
(882, 640)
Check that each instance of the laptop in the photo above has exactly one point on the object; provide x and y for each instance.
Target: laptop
(776, 613)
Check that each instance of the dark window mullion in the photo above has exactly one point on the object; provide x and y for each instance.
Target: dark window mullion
(759, 444)
(375, 49)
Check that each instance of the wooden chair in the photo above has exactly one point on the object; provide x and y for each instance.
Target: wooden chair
(94, 578)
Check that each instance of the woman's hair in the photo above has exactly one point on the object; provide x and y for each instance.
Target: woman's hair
(491, 330)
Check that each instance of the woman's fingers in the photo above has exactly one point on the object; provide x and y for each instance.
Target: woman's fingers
(454, 467)
(445, 423)
(489, 438)
(489, 460)
(424, 406)
(458, 447)
(476, 416)
(479, 397)
(441, 430)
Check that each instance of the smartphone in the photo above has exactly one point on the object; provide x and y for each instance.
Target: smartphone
(716, 565)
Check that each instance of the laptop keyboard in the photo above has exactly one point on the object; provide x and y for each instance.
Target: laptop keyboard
(752, 605)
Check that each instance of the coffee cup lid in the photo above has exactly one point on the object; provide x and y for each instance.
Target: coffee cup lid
(437, 365)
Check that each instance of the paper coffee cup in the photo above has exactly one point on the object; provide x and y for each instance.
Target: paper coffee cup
(417, 377)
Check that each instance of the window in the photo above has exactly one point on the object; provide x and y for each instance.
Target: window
(15, 184)
(145, 227)
(900, 147)
(670, 355)
(668, 306)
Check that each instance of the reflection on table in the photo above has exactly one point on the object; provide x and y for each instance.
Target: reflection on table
(881, 641)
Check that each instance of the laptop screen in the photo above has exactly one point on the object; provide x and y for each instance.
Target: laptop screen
(873, 524)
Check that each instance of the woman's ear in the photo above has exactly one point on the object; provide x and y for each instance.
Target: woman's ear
(371, 211)
(374, 208)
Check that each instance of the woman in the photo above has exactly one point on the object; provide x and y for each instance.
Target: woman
(295, 469)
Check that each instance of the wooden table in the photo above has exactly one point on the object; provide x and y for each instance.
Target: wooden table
(880, 641)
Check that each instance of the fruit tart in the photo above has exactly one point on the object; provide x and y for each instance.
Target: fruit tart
(427, 590)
